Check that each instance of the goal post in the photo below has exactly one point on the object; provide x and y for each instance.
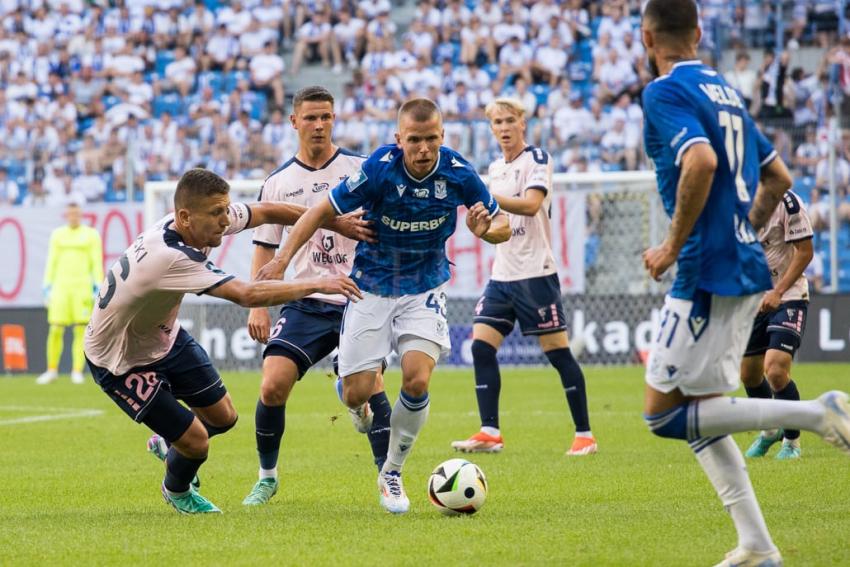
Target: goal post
(601, 224)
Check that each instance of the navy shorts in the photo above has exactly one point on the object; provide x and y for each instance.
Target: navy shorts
(186, 372)
(535, 303)
(306, 332)
(780, 330)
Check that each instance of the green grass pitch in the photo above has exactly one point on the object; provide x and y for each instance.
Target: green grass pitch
(77, 487)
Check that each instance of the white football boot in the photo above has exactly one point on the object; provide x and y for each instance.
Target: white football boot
(393, 497)
(745, 558)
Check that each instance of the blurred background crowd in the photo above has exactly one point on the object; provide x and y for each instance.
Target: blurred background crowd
(99, 97)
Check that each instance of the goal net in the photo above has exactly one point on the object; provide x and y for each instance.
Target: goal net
(601, 224)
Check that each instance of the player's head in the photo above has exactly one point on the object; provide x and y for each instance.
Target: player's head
(313, 117)
(669, 29)
(507, 122)
(200, 207)
(420, 135)
(73, 214)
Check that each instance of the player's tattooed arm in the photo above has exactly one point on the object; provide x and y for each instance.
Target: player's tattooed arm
(351, 225)
(302, 230)
(698, 165)
(775, 181)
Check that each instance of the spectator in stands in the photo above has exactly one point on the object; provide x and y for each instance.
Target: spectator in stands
(36, 196)
(772, 90)
(267, 73)
(515, 60)
(313, 42)
(423, 40)
(506, 30)
(476, 42)
(742, 78)
(179, 74)
(820, 196)
(615, 76)
(572, 120)
(222, 50)
(9, 190)
(577, 18)
(814, 272)
(824, 16)
(613, 145)
(807, 156)
(381, 28)
(349, 38)
(550, 62)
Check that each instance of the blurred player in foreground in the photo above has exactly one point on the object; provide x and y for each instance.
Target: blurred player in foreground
(308, 329)
(138, 353)
(524, 284)
(411, 191)
(779, 326)
(710, 159)
(74, 270)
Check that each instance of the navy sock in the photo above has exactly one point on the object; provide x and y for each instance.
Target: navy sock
(180, 470)
(789, 392)
(488, 382)
(760, 391)
(213, 430)
(270, 421)
(379, 435)
(573, 381)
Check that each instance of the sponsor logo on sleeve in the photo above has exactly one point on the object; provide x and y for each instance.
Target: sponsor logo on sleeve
(356, 180)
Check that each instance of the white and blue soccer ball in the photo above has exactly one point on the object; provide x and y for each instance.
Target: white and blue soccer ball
(457, 487)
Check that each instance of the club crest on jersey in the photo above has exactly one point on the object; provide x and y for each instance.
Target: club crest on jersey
(400, 188)
(328, 242)
(420, 192)
(356, 180)
(440, 191)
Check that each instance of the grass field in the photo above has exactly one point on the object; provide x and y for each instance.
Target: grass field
(76, 486)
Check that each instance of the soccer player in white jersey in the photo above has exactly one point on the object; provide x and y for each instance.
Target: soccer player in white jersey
(411, 190)
(308, 329)
(524, 283)
(719, 179)
(137, 351)
(778, 328)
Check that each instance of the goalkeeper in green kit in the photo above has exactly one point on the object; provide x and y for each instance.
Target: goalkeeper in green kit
(71, 278)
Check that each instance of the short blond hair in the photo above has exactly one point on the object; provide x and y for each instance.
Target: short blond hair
(510, 104)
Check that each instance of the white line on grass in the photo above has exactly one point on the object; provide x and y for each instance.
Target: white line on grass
(51, 417)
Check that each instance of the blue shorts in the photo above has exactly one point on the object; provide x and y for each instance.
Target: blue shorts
(779, 330)
(306, 332)
(535, 303)
(186, 372)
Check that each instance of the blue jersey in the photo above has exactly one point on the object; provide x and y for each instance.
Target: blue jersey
(413, 218)
(691, 105)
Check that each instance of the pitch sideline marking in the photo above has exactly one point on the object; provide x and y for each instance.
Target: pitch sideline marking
(69, 413)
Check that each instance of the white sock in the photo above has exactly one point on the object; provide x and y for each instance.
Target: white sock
(723, 415)
(724, 465)
(175, 494)
(406, 421)
(586, 434)
(494, 431)
(268, 473)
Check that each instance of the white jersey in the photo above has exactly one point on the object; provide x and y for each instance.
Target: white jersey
(788, 224)
(327, 253)
(135, 320)
(528, 253)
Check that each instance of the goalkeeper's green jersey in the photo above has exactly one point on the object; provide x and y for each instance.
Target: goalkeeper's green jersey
(75, 257)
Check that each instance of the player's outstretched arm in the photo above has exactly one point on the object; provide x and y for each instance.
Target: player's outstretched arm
(315, 217)
(775, 181)
(351, 225)
(494, 229)
(265, 293)
(698, 165)
(527, 205)
(259, 322)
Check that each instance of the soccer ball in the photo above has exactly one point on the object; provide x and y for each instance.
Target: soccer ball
(457, 487)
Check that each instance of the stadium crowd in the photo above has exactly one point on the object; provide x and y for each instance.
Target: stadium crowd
(97, 96)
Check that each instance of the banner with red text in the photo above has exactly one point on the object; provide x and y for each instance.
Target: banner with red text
(25, 234)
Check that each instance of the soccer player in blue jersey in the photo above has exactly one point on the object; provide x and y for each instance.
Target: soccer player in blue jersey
(411, 191)
(710, 159)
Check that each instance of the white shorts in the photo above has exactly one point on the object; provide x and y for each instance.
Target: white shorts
(700, 346)
(373, 327)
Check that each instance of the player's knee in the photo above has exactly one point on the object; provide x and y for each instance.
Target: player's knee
(195, 442)
(272, 394)
(672, 424)
(416, 386)
(482, 350)
(777, 375)
(354, 397)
